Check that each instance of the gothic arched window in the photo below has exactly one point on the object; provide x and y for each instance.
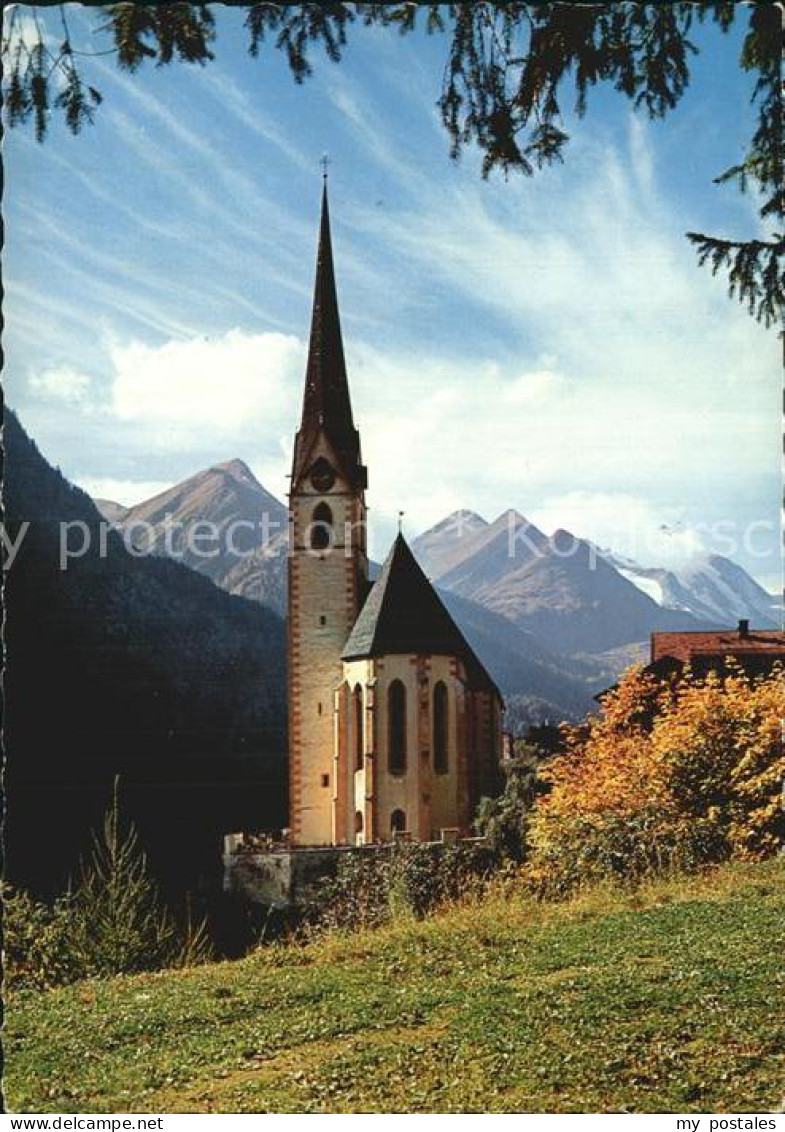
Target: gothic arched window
(396, 711)
(321, 527)
(357, 699)
(440, 764)
(397, 821)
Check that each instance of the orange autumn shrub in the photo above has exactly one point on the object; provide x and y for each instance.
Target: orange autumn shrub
(666, 776)
(721, 743)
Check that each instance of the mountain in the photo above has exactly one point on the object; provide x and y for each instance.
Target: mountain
(228, 496)
(130, 666)
(553, 619)
(510, 541)
(573, 598)
(570, 599)
(441, 547)
(244, 548)
(710, 587)
(111, 511)
(560, 589)
(261, 576)
(543, 685)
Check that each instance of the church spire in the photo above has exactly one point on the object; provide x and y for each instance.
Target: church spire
(326, 403)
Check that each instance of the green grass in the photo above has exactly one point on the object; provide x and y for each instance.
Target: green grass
(666, 999)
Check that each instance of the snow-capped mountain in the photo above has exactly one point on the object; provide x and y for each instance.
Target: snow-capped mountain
(587, 601)
(554, 618)
(559, 589)
(710, 587)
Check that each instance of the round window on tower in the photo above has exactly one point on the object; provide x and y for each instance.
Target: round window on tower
(322, 475)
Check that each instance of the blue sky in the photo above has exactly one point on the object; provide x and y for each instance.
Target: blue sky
(547, 344)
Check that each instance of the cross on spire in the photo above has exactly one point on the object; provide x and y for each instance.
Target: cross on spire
(325, 164)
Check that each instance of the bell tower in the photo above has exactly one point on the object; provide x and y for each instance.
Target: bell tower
(328, 562)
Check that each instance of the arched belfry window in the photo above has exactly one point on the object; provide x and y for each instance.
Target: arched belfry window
(397, 821)
(321, 527)
(396, 711)
(440, 761)
(357, 699)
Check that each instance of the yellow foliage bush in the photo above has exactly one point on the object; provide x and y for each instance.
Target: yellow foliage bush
(666, 776)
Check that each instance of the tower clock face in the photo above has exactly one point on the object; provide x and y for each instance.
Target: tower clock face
(322, 475)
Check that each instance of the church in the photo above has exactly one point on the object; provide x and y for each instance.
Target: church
(395, 726)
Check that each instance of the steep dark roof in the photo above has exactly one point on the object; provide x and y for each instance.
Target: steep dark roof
(403, 614)
(326, 404)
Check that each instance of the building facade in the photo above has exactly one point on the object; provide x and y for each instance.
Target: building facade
(394, 724)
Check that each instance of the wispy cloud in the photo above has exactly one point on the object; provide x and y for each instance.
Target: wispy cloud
(49, 304)
(369, 128)
(142, 221)
(117, 297)
(595, 271)
(137, 275)
(219, 222)
(213, 163)
(249, 113)
(546, 343)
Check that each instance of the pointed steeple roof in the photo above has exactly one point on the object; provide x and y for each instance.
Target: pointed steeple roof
(404, 614)
(326, 404)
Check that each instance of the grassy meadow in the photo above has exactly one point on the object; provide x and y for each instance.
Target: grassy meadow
(666, 998)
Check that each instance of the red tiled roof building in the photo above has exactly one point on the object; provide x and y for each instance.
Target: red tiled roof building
(756, 650)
